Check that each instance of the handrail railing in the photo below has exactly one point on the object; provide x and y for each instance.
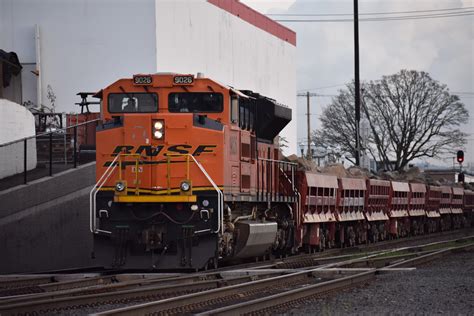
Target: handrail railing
(270, 169)
(93, 196)
(295, 190)
(111, 168)
(137, 161)
(47, 133)
(220, 195)
(48, 154)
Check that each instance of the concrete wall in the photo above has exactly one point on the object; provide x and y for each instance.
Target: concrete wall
(197, 36)
(44, 225)
(85, 45)
(16, 122)
(46, 189)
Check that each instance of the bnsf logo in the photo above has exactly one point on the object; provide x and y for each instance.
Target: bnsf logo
(151, 151)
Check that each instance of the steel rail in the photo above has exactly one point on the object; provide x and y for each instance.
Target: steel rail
(323, 257)
(57, 301)
(292, 295)
(146, 283)
(72, 285)
(317, 289)
(196, 298)
(124, 285)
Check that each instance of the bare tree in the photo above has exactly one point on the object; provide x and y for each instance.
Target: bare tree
(338, 124)
(409, 114)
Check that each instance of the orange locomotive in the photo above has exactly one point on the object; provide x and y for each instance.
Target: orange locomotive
(188, 174)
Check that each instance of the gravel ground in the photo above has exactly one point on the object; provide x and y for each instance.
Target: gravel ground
(440, 287)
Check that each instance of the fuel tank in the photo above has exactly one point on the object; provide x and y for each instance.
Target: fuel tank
(254, 238)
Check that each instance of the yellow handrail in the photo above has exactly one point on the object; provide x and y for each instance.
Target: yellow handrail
(137, 160)
(168, 166)
(168, 162)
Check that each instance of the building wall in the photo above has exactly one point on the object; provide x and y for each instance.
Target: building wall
(16, 122)
(85, 45)
(197, 36)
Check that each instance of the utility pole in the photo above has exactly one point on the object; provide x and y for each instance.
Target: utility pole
(357, 83)
(308, 96)
(308, 120)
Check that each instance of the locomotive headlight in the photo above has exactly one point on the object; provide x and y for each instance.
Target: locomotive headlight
(158, 129)
(158, 125)
(185, 186)
(120, 186)
(158, 135)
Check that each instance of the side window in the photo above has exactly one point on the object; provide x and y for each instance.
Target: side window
(195, 102)
(234, 109)
(251, 115)
(247, 114)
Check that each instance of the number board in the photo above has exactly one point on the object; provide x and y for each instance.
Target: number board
(142, 80)
(183, 80)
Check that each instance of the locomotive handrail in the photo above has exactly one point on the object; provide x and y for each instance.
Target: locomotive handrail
(137, 159)
(295, 190)
(93, 196)
(220, 195)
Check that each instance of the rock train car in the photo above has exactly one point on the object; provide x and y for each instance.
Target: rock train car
(189, 173)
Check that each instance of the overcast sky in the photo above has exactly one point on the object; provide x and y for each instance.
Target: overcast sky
(443, 47)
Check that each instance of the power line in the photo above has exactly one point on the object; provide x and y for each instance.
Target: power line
(460, 9)
(316, 95)
(326, 87)
(399, 18)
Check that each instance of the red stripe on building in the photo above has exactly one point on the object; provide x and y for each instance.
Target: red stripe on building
(256, 18)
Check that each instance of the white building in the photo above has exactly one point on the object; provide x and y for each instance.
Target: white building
(82, 45)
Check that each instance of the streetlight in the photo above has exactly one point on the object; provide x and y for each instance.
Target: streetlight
(302, 149)
(312, 146)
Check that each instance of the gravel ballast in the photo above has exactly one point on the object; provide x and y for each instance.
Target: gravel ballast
(445, 286)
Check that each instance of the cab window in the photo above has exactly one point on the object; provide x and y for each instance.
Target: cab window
(195, 102)
(132, 102)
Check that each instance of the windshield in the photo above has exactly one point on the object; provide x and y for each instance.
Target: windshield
(195, 102)
(133, 102)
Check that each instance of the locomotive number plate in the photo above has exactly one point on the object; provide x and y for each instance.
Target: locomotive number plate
(134, 169)
(142, 80)
(183, 80)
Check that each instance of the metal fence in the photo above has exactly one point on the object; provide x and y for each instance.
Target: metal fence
(45, 154)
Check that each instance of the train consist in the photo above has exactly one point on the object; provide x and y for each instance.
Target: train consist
(189, 173)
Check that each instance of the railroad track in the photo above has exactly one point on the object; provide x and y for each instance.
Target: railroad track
(101, 293)
(260, 296)
(303, 260)
(131, 292)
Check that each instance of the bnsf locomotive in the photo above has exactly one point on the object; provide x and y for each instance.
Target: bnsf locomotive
(189, 173)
